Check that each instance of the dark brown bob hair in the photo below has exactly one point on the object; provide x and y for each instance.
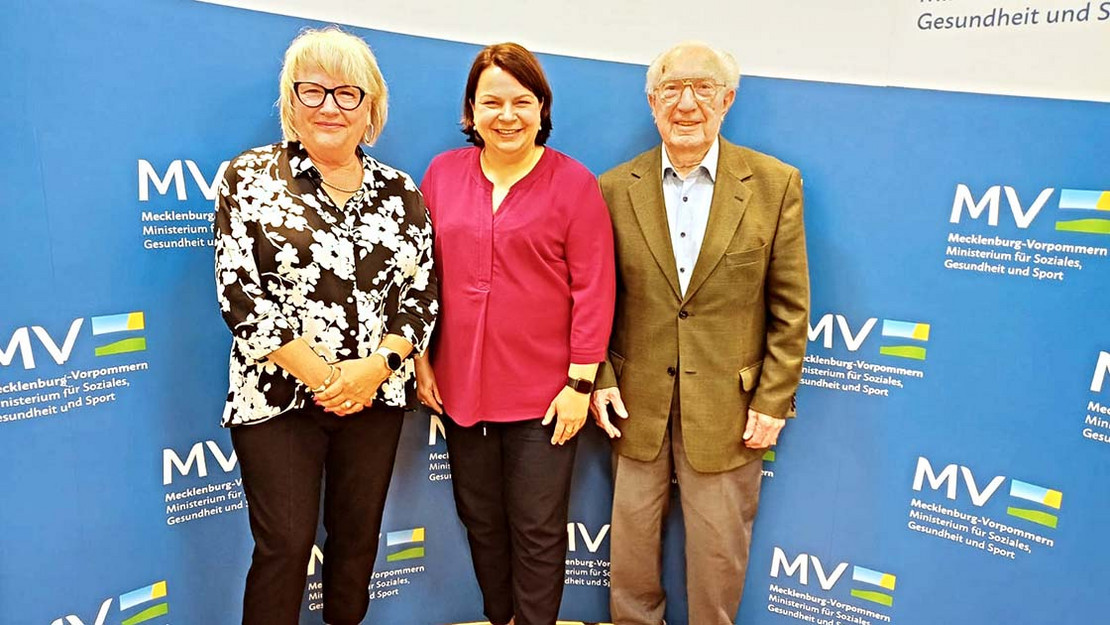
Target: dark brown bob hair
(522, 65)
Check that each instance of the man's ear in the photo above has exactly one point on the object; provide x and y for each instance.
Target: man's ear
(730, 97)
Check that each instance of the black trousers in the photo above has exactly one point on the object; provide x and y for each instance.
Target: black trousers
(512, 490)
(283, 462)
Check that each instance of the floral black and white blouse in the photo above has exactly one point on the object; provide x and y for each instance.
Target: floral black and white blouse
(291, 264)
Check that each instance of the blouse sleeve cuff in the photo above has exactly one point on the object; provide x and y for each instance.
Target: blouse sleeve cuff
(414, 329)
(588, 355)
(260, 339)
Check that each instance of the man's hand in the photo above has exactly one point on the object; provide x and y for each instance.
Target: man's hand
(599, 406)
(762, 430)
(570, 407)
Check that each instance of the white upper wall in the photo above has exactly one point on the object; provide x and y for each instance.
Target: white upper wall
(869, 42)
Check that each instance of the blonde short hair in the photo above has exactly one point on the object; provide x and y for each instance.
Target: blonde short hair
(342, 56)
(727, 70)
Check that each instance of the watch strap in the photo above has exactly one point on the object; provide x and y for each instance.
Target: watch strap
(579, 385)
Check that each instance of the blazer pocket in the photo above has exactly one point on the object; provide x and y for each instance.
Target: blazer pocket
(745, 271)
(749, 376)
(617, 362)
(745, 257)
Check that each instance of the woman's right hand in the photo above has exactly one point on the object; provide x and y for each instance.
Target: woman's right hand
(337, 397)
(426, 390)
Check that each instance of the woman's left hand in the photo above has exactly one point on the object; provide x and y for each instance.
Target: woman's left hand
(361, 378)
(570, 407)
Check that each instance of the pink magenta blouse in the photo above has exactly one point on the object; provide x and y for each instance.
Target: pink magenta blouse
(524, 291)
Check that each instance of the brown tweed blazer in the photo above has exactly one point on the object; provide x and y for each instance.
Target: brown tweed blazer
(738, 336)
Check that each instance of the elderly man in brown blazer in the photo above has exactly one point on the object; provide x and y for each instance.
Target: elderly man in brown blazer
(708, 339)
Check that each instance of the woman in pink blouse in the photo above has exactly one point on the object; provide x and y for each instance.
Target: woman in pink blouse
(524, 254)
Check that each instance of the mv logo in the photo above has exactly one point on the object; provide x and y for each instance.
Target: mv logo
(868, 584)
(435, 430)
(175, 176)
(1095, 218)
(198, 459)
(1098, 381)
(60, 351)
(315, 559)
(154, 594)
(1081, 210)
(949, 480)
(400, 545)
(404, 544)
(591, 542)
(989, 204)
(902, 339)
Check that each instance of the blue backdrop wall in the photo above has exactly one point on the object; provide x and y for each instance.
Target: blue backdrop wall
(949, 460)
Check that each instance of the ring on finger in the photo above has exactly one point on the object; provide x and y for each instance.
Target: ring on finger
(347, 404)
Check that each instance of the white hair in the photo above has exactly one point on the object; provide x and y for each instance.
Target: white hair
(725, 67)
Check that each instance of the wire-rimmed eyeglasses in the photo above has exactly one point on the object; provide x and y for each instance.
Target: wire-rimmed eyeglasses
(704, 89)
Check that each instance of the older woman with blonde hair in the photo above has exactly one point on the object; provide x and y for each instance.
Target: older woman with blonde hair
(324, 276)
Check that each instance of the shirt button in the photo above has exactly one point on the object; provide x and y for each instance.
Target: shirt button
(684, 198)
(682, 314)
(681, 270)
(671, 371)
(682, 234)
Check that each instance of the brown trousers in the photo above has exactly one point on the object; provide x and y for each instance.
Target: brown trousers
(718, 510)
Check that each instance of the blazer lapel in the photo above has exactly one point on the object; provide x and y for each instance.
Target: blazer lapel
(646, 195)
(730, 201)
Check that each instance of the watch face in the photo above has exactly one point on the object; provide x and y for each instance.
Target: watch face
(393, 361)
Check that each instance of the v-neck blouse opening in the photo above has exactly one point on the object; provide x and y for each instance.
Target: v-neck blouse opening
(480, 177)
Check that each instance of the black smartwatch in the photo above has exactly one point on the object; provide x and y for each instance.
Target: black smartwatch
(579, 385)
(392, 358)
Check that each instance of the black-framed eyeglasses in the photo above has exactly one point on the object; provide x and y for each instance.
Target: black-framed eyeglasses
(312, 95)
